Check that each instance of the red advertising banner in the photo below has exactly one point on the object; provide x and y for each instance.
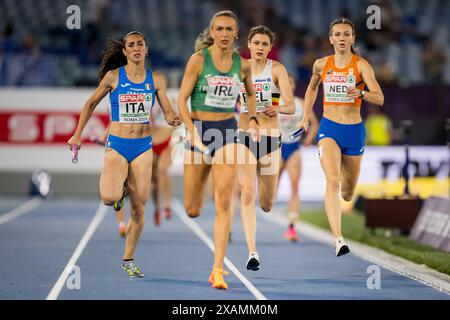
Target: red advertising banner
(32, 127)
(432, 226)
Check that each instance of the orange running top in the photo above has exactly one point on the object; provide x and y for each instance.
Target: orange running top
(336, 81)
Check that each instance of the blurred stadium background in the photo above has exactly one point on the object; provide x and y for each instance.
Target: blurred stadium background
(47, 71)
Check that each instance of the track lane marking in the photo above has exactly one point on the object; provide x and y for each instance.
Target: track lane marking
(194, 226)
(23, 209)
(93, 225)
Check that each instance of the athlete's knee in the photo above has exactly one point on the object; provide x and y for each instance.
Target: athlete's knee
(110, 199)
(137, 213)
(192, 211)
(266, 205)
(222, 202)
(347, 195)
(108, 203)
(248, 195)
(138, 208)
(333, 184)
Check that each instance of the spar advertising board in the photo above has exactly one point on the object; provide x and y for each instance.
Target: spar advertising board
(35, 125)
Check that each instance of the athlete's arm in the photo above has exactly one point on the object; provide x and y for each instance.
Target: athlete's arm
(190, 78)
(247, 78)
(106, 85)
(171, 117)
(374, 95)
(313, 130)
(251, 98)
(282, 79)
(311, 92)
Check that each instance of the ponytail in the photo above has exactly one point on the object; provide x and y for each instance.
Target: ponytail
(355, 51)
(113, 57)
(204, 40)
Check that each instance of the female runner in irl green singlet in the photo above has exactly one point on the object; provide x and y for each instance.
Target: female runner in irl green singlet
(213, 77)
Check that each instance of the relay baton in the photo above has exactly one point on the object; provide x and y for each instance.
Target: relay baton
(298, 133)
(74, 153)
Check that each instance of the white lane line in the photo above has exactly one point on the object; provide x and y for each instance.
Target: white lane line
(180, 212)
(95, 222)
(21, 210)
(414, 271)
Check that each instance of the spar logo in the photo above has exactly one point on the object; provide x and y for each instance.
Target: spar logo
(131, 98)
(266, 87)
(136, 98)
(336, 79)
(221, 81)
(257, 87)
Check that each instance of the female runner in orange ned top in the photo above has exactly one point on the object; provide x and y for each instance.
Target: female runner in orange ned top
(341, 135)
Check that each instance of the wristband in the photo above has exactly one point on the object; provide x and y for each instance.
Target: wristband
(254, 118)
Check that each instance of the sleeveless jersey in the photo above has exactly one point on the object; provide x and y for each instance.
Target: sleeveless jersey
(336, 81)
(265, 89)
(216, 91)
(132, 102)
(289, 122)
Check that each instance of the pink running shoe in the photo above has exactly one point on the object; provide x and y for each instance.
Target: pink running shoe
(291, 234)
(167, 213)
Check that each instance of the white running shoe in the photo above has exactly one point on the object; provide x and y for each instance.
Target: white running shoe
(253, 261)
(341, 247)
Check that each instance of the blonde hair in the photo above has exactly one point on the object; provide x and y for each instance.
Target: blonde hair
(346, 21)
(204, 39)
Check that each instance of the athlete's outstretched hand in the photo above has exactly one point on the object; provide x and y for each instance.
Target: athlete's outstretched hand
(353, 93)
(194, 139)
(254, 131)
(173, 119)
(74, 140)
(305, 125)
(271, 110)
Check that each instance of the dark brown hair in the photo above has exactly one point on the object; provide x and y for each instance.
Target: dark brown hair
(261, 30)
(204, 39)
(113, 56)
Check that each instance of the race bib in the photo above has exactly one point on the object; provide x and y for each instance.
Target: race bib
(222, 91)
(135, 107)
(335, 87)
(263, 94)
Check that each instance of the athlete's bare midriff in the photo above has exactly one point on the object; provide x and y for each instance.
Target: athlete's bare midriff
(268, 126)
(130, 130)
(211, 116)
(343, 114)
